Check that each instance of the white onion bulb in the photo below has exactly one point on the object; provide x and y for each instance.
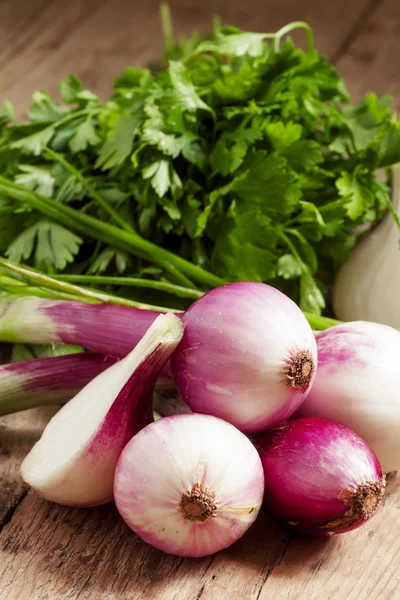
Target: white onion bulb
(367, 286)
(358, 385)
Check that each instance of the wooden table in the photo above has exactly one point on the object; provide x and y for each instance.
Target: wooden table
(48, 552)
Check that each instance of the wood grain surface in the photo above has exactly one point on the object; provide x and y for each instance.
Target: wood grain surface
(48, 552)
(370, 61)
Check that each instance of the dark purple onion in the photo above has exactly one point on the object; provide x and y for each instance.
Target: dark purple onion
(320, 477)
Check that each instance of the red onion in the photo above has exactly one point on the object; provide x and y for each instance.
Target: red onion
(358, 383)
(248, 355)
(320, 477)
(189, 485)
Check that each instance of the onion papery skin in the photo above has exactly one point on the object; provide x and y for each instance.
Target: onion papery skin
(237, 352)
(177, 459)
(320, 477)
(358, 385)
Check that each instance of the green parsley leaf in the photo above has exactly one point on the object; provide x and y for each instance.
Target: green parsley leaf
(7, 113)
(104, 260)
(38, 179)
(44, 108)
(72, 92)
(158, 173)
(246, 250)
(303, 155)
(233, 42)
(267, 182)
(119, 142)
(359, 195)
(188, 96)
(282, 134)
(36, 142)
(288, 267)
(231, 149)
(53, 246)
(84, 136)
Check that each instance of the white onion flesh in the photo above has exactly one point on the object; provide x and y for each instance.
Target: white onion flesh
(73, 463)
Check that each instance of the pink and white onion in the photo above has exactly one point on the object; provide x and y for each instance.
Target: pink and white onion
(248, 355)
(189, 485)
(320, 477)
(358, 384)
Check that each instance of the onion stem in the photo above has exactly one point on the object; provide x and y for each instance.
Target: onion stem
(28, 290)
(162, 286)
(65, 290)
(29, 275)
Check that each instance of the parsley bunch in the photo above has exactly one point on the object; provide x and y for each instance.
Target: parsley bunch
(237, 157)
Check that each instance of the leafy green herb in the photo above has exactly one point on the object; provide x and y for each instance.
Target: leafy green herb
(239, 157)
(50, 245)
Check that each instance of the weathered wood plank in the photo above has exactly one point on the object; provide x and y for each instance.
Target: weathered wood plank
(17, 435)
(65, 552)
(371, 61)
(97, 40)
(48, 552)
(358, 565)
(32, 33)
(15, 25)
(90, 554)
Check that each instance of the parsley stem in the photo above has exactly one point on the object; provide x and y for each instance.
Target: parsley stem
(319, 323)
(18, 288)
(290, 27)
(40, 279)
(162, 286)
(217, 24)
(91, 190)
(125, 240)
(285, 239)
(166, 24)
